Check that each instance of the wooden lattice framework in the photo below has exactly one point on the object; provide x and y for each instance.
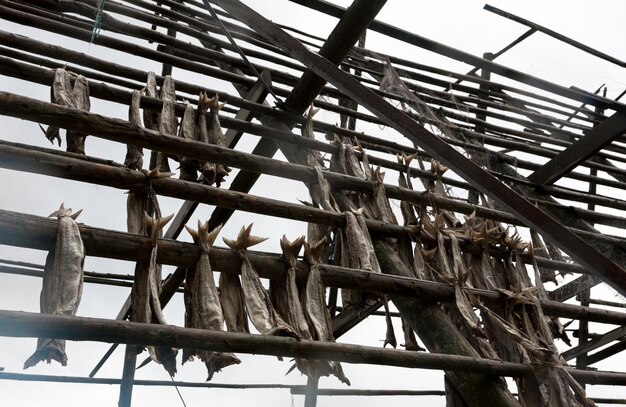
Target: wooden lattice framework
(456, 124)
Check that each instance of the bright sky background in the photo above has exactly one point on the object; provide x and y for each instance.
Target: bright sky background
(461, 24)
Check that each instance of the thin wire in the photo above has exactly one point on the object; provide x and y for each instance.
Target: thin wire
(178, 391)
(279, 103)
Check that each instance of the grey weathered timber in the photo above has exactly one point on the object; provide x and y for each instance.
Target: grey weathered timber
(573, 288)
(24, 324)
(606, 352)
(450, 52)
(556, 35)
(585, 147)
(535, 218)
(339, 43)
(27, 324)
(35, 232)
(614, 335)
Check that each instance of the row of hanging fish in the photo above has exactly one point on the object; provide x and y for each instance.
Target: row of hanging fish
(193, 126)
(66, 94)
(62, 283)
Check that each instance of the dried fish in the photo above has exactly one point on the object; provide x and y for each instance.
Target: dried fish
(410, 341)
(151, 117)
(77, 96)
(315, 309)
(284, 291)
(540, 249)
(62, 283)
(167, 125)
(216, 136)
(80, 100)
(202, 304)
(145, 304)
(134, 154)
(188, 166)
(139, 202)
(258, 304)
(233, 304)
(207, 169)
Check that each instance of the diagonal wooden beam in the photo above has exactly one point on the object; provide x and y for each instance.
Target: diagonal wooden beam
(582, 149)
(606, 352)
(614, 335)
(458, 55)
(532, 216)
(555, 35)
(257, 94)
(573, 288)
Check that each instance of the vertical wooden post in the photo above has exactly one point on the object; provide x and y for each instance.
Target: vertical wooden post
(310, 398)
(472, 196)
(453, 398)
(128, 376)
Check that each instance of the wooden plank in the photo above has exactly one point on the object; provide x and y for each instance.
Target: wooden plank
(581, 150)
(532, 216)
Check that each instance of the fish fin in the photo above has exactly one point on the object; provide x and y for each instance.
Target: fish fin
(75, 215)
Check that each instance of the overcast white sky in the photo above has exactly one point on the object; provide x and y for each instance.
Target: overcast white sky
(461, 24)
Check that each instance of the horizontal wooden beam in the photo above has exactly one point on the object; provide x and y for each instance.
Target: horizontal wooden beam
(39, 233)
(581, 150)
(29, 325)
(25, 324)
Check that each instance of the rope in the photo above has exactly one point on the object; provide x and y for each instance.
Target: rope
(178, 391)
(279, 103)
(97, 22)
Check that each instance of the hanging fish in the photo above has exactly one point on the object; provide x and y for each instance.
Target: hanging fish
(202, 304)
(284, 291)
(207, 169)
(80, 100)
(134, 154)
(62, 283)
(187, 130)
(233, 304)
(167, 120)
(216, 136)
(64, 94)
(145, 304)
(315, 310)
(258, 304)
(139, 202)
(151, 117)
